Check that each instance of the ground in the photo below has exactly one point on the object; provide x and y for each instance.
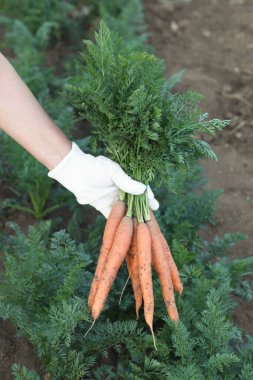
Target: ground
(213, 41)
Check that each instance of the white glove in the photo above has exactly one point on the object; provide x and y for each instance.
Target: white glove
(96, 180)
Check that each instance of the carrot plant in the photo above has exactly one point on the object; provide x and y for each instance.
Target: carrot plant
(56, 274)
(125, 17)
(34, 14)
(149, 132)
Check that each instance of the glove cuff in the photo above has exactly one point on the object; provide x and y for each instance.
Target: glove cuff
(70, 171)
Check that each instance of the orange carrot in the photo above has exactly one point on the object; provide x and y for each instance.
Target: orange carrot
(177, 284)
(119, 249)
(133, 269)
(161, 266)
(145, 272)
(117, 213)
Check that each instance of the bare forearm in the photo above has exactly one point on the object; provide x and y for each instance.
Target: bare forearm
(22, 118)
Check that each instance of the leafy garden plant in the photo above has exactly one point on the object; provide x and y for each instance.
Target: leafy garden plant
(125, 18)
(142, 126)
(34, 14)
(52, 311)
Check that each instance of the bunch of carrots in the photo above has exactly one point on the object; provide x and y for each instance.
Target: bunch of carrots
(133, 235)
(149, 132)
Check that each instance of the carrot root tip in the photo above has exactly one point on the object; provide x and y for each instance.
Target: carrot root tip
(153, 336)
(90, 328)
(124, 287)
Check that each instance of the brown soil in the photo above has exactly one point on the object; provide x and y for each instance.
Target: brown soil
(213, 41)
(15, 349)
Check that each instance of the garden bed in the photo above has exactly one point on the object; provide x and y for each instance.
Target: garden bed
(217, 55)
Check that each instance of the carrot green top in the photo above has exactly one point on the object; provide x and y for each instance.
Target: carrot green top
(141, 124)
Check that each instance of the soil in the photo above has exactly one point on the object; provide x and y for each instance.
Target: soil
(213, 41)
(15, 349)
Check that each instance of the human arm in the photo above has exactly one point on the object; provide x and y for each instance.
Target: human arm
(93, 180)
(22, 118)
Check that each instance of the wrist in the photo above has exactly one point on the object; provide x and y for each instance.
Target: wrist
(58, 155)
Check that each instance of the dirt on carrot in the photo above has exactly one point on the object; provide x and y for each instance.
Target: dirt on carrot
(145, 272)
(120, 247)
(133, 269)
(116, 215)
(177, 283)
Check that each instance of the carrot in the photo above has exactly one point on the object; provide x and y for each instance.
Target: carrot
(177, 284)
(119, 249)
(133, 269)
(145, 273)
(161, 266)
(114, 219)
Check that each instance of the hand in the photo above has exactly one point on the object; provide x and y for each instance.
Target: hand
(96, 180)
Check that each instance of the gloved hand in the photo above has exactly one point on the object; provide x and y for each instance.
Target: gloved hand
(96, 180)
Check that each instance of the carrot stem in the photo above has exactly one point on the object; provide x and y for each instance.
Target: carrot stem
(141, 207)
(146, 212)
(122, 196)
(138, 208)
(130, 205)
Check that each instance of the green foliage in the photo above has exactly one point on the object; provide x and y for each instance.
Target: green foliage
(22, 373)
(46, 283)
(39, 293)
(126, 18)
(173, 81)
(190, 208)
(144, 128)
(218, 247)
(36, 13)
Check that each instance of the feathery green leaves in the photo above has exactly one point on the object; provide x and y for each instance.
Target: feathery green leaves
(144, 128)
